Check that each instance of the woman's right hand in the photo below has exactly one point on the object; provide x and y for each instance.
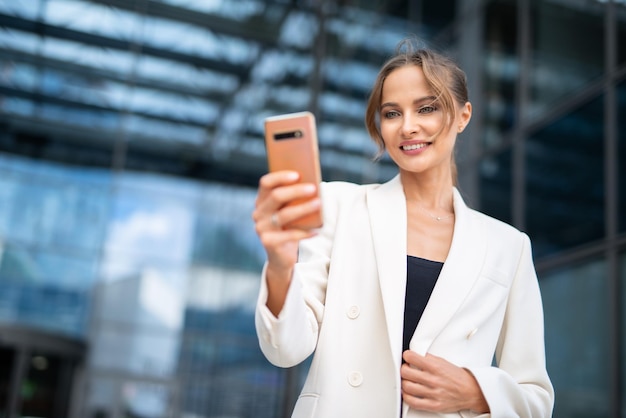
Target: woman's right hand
(270, 215)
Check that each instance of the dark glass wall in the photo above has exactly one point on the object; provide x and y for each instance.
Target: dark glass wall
(501, 72)
(551, 162)
(565, 59)
(621, 152)
(620, 18)
(496, 171)
(565, 181)
(580, 337)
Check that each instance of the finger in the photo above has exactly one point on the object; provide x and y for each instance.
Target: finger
(279, 197)
(412, 374)
(289, 214)
(414, 359)
(416, 394)
(428, 362)
(415, 387)
(270, 181)
(422, 403)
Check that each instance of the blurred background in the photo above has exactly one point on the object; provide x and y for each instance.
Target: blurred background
(131, 142)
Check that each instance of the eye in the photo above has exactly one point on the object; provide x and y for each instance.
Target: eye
(391, 114)
(427, 109)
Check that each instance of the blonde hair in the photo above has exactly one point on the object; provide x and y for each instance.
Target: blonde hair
(444, 77)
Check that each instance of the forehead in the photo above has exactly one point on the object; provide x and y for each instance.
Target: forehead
(406, 80)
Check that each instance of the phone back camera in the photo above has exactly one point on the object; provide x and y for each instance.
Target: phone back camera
(288, 135)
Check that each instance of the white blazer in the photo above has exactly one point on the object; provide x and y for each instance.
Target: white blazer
(346, 305)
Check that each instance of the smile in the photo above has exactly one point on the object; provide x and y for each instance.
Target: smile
(414, 146)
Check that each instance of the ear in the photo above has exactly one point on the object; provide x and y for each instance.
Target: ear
(465, 114)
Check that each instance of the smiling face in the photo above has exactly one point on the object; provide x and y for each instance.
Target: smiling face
(414, 127)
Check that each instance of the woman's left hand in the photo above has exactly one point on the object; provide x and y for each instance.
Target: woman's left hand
(431, 383)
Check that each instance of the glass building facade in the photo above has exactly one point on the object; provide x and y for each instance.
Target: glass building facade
(131, 143)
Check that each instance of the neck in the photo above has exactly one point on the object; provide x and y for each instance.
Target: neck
(429, 193)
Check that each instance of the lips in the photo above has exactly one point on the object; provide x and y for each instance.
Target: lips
(413, 147)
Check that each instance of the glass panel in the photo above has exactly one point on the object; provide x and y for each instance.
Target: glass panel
(102, 398)
(622, 278)
(621, 161)
(221, 345)
(496, 185)
(40, 388)
(225, 235)
(51, 206)
(436, 15)
(27, 9)
(191, 83)
(577, 339)
(620, 6)
(127, 347)
(145, 400)
(51, 228)
(51, 307)
(558, 71)
(7, 360)
(501, 70)
(564, 181)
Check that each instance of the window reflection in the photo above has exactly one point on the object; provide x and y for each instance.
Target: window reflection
(565, 57)
(166, 269)
(621, 161)
(501, 70)
(621, 32)
(622, 281)
(496, 186)
(146, 400)
(241, 10)
(26, 9)
(577, 338)
(92, 18)
(51, 229)
(564, 181)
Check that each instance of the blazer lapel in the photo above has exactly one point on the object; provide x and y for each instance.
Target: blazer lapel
(387, 207)
(460, 270)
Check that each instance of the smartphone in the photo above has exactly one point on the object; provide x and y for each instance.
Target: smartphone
(291, 144)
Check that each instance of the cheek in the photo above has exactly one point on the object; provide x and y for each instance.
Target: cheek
(387, 127)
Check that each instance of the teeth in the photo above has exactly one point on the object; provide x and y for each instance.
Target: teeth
(414, 146)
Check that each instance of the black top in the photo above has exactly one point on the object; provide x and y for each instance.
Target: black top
(421, 277)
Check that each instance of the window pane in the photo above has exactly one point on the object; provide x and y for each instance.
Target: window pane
(564, 181)
(496, 186)
(7, 361)
(145, 400)
(623, 305)
(501, 70)
(621, 162)
(621, 31)
(565, 58)
(577, 339)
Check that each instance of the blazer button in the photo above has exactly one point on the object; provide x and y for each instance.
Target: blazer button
(355, 379)
(471, 333)
(353, 312)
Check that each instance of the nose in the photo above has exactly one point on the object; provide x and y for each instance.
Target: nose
(410, 125)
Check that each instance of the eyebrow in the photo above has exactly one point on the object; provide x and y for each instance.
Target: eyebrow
(427, 99)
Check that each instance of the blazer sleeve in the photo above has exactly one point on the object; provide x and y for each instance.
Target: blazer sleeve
(290, 338)
(519, 386)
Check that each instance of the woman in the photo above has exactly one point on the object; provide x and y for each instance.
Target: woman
(414, 304)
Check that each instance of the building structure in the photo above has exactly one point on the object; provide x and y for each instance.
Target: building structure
(131, 143)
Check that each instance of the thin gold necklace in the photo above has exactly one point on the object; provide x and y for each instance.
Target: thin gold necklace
(437, 218)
